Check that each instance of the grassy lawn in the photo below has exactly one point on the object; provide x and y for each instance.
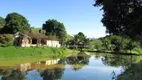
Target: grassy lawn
(27, 52)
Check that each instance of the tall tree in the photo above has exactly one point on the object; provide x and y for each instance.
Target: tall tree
(2, 22)
(80, 40)
(80, 37)
(122, 17)
(53, 27)
(16, 23)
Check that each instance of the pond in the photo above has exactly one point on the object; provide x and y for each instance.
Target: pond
(82, 66)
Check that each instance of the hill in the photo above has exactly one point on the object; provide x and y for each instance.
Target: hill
(35, 30)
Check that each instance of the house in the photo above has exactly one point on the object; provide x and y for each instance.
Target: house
(30, 39)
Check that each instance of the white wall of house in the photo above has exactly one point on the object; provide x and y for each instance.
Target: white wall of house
(51, 43)
(25, 43)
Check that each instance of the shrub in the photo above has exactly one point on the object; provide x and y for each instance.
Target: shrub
(96, 45)
(6, 40)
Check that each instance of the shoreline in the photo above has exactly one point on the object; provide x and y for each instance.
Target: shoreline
(117, 53)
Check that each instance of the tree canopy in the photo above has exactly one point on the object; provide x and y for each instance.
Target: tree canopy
(118, 43)
(2, 22)
(79, 38)
(54, 27)
(122, 17)
(15, 23)
(79, 41)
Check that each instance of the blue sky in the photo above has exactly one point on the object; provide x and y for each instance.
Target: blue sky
(77, 15)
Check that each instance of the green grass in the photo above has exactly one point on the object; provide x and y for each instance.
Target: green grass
(25, 52)
(36, 30)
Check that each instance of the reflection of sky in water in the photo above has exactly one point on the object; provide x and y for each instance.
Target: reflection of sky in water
(33, 75)
(96, 70)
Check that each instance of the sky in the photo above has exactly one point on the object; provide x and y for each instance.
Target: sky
(77, 15)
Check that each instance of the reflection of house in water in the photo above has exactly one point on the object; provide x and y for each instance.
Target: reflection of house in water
(27, 40)
(37, 65)
(25, 67)
(50, 62)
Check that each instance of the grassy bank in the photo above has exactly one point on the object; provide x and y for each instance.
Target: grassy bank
(23, 52)
(135, 51)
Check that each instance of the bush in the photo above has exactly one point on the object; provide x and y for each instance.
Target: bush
(6, 40)
(96, 45)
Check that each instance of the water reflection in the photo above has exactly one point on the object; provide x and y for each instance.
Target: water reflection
(78, 61)
(82, 66)
(13, 74)
(120, 60)
(132, 73)
(42, 70)
(131, 66)
(54, 73)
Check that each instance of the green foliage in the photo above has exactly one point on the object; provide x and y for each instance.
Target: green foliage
(79, 38)
(14, 74)
(53, 27)
(2, 22)
(137, 50)
(71, 44)
(132, 73)
(122, 17)
(79, 41)
(96, 44)
(120, 60)
(118, 43)
(6, 40)
(131, 45)
(15, 23)
(69, 37)
(106, 43)
(78, 61)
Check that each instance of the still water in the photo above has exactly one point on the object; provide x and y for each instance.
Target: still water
(82, 66)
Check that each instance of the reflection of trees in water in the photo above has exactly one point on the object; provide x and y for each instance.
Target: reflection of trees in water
(120, 60)
(5, 72)
(78, 61)
(131, 65)
(114, 60)
(13, 74)
(54, 73)
(99, 55)
(50, 73)
(132, 73)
